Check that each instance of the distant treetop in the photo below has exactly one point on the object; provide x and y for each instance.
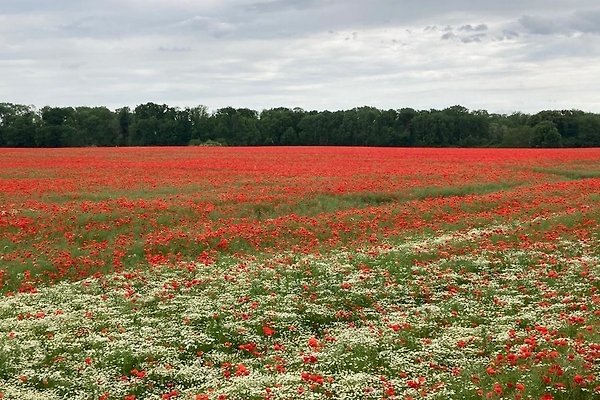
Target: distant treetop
(154, 124)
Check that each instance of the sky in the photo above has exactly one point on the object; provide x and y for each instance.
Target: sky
(502, 56)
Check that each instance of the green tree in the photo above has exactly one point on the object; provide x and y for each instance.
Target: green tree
(237, 127)
(201, 124)
(18, 124)
(124, 116)
(589, 130)
(54, 130)
(319, 128)
(516, 136)
(545, 134)
(275, 122)
(565, 121)
(289, 137)
(92, 126)
(158, 124)
(434, 128)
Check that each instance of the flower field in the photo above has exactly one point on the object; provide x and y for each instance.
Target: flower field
(293, 273)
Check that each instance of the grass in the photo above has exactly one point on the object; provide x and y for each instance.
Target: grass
(324, 203)
(569, 173)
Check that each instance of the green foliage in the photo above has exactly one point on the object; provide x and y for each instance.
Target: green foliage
(154, 124)
(588, 133)
(239, 127)
(17, 125)
(545, 134)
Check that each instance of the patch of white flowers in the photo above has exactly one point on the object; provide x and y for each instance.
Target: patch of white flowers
(305, 326)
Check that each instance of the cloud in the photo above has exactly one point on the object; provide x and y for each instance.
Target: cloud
(507, 34)
(473, 38)
(586, 22)
(471, 28)
(466, 33)
(578, 22)
(174, 49)
(541, 25)
(525, 54)
(285, 5)
(89, 26)
(209, 25)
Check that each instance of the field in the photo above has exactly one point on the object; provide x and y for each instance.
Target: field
(299, 273)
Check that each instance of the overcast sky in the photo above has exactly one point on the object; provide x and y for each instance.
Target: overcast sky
(500, 55)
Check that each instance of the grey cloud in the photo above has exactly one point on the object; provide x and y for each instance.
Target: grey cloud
(473, 38)
(587, 22)
(259, 54)
(86, 26)
(583, 22)
(174, 49)
(352, 36)
(27, 6)
(540, 25)
(541, 50)
(507, 34)
(465, 37)
(285, 5)
(72, 66)
(213, 26)
(471, 28)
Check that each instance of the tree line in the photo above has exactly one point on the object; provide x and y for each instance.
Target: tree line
(154, 124)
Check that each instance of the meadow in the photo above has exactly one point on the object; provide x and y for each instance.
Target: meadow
(299, 273)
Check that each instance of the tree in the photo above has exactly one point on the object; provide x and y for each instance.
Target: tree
(274, 123)
(92, 126)
(589, 130)
(180, 124)
(18, 124)
(124, 117)
(367, 125)
(405, 136)
(158, 124)
(545, 134)
(434, 128)
(289, 137)
(201, 124)
(238, 127)
(54, 130)
(516, 136)
(309, 129)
